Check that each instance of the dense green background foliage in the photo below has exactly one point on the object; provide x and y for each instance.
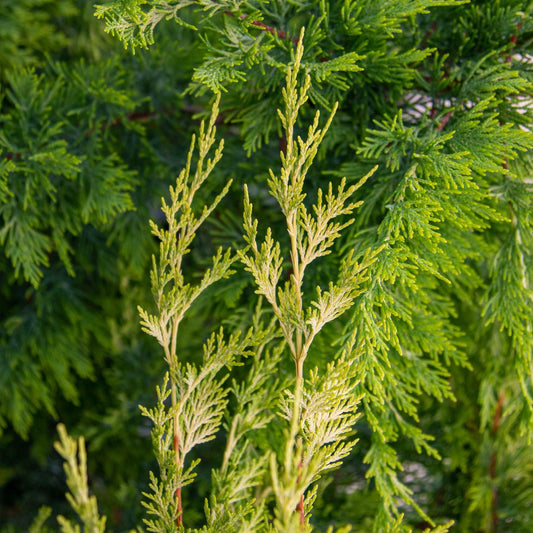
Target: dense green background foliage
(434, 92)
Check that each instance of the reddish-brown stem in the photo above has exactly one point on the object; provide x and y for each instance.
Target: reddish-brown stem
(428, 34)
(495, 519)
(179, 510)
(513, 40)
(444, 120)
(270, 29)
(498, 412)
(283, 144)
(301, 511)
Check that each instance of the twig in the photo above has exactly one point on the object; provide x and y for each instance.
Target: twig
(270, 29)
(179, 506)
(428, 34)
(444, 120)
(512, 41)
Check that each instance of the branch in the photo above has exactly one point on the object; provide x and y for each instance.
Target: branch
(512, 41)
(270, 29)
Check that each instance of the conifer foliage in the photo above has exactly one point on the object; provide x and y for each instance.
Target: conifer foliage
(369, 314)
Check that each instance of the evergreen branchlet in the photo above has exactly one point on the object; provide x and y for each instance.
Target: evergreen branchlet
(75, 465)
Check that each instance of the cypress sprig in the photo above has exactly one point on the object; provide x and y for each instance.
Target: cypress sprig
(198, 398)
(310, 237)
(75, 465)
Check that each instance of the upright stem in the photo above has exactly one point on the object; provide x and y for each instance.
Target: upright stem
(174, 400)
(299, 355)
(298, 393)
(301, 510)
(292, 223)
(295, 419)
(179, 510)
(230, 444)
